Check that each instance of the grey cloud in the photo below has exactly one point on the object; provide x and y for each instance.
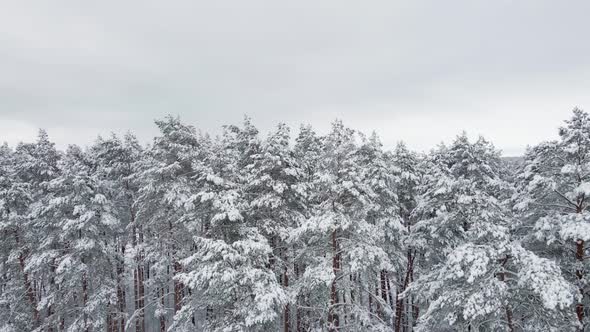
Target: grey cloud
(414, 70)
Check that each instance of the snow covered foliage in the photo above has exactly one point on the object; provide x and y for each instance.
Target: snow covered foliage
(552, 203)
(349, 234)
(293, 232)
(479, 276)
(230, 273)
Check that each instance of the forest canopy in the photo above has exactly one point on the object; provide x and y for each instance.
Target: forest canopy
(294, 232)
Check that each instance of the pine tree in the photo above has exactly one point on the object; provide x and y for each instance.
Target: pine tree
(346, 223)
(17, 312)
(160, 232)
(28, 172)
(275, 200)
(308, 152)
(480, 278)
(229, 273)
(408, 171)
(118, 164)
(79, 222)
(553, 201)
(239, 233)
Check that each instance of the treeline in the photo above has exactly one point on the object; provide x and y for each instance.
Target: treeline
(244, 232)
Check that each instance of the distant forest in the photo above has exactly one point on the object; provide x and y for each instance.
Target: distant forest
(274, 232)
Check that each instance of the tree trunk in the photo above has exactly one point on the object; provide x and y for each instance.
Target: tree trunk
(298, 314)
(378, 308)
(163, 317)
(141, 292)
(110, 318)
(287, 313)
(509, 319)
(399, 309)
(27, 282)
(383, 286)
(333, 319)
(136, 299)
(399, 301)
(370, 304)
(299, 301)
(178, 286)
(140, 299)
(580, 275)
(121, 290)
(141, 275)
(508, 310)
(85, 298)
(51, 289)
(138, 282)
(390, 296)
(580, 271)
(415, 308)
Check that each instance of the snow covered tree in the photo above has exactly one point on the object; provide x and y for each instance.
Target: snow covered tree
(26, 174)
(344, 234)
(118, 164)
(333, 233)
(17, 312)
(230, 273)
(479, 277)
(78, 223)
(408, 170)
(553, 201)
(160, 234)
(276, 205)
(308, 151)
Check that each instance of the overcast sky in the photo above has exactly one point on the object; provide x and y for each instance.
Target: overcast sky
(419, 71)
